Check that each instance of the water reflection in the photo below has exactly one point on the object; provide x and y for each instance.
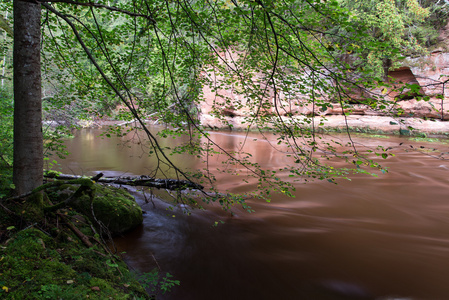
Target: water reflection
(369, 238)
(91, 152)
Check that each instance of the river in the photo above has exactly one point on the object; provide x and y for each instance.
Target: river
(382, 238)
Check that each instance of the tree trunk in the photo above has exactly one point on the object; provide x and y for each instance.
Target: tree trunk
(28, 142)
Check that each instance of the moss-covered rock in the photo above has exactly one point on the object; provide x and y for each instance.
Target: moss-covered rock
(113, 207)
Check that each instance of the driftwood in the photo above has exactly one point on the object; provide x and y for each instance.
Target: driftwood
(143, 180)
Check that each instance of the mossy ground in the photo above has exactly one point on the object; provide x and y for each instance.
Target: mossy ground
(36, 266)
(44, 259)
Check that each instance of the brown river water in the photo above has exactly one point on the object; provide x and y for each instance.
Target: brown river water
(382, 238)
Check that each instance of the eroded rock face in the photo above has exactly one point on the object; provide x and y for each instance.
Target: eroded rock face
(431, 71)
(431, 101)
(226, 107)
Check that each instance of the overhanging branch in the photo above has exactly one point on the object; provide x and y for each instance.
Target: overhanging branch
(97, 5)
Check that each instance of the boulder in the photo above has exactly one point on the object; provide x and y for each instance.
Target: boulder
(113, 207)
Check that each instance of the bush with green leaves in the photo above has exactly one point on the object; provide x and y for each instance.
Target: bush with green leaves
(157, 283)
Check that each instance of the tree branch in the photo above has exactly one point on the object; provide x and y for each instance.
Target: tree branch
(84, 238)
(97, 5)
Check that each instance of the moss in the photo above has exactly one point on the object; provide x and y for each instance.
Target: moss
(61, 192)
(37, 266)
(41, 258)
(373, 132)
(33, 207)
(113, 207)
(376, 136)
(51, 173)
(430, 140)
(405, 132)
(29, 262)
(358, 130)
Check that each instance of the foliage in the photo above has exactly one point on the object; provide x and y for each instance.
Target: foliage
(157, 283)
(54, 140)
(157, 58)
(154, 60)
(404, 27)
(5, 45)
(6, 136)
(394, 23)
(427, 33)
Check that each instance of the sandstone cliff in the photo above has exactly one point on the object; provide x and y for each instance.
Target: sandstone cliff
(425, 111)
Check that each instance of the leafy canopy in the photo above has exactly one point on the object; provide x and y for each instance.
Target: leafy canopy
(157, 58)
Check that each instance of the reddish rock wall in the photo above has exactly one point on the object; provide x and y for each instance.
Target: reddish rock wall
(225, 106)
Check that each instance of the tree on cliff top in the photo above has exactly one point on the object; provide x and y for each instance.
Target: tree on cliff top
(390, 22)
(155, 57)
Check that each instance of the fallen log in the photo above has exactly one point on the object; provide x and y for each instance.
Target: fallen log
(142, 180)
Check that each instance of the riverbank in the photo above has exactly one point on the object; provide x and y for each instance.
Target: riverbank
(54, 251)
(351, 123)
(330, 123)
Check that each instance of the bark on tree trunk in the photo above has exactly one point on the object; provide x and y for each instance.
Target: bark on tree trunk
(28, 142)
